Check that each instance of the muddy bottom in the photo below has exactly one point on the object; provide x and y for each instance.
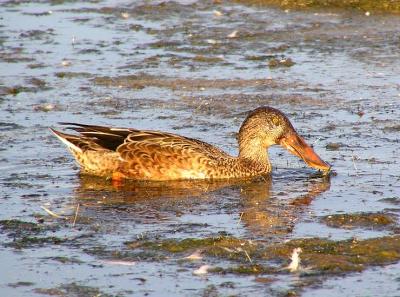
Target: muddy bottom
(196, 68)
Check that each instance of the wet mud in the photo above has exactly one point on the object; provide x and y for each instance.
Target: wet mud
(196, 68)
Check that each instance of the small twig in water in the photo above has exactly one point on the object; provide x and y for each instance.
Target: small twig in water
(354, 163)
(240, 218)
(248, 257)
(51, 213)
(76, 215)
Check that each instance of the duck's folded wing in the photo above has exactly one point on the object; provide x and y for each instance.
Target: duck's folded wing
(158, 155)
(161, 144)
(151, 148)
(106, 137)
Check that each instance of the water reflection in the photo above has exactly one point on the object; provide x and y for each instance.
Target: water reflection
(253, 203)
(265, 212)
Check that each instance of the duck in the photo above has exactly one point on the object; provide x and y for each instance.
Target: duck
(147, 155)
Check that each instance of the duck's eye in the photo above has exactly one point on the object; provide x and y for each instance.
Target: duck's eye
(275, 121)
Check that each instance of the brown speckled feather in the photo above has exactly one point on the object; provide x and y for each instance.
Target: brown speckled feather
(148, 155)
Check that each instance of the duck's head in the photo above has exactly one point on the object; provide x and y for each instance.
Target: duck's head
(266, 126)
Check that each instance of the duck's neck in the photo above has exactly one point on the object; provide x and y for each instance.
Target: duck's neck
(253, 150)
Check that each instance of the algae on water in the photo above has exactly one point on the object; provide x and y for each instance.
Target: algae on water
(382, 6)
(322, 256)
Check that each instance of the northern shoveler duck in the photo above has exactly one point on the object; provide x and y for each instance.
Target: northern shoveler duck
(124, 153)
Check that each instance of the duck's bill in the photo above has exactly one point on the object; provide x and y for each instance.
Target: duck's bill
(298, 147)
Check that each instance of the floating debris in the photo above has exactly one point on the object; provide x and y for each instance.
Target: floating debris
(125, 15)
(195, 256)
(333, 146)
(45, 107)
(66, 63)
(233, 34)
(217, 13)
(53, 214)
(119, 262)
(295, 260)
(202, 270)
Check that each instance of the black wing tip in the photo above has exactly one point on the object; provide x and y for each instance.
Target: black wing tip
(54, 131)
(75, 126)
(59, 134)
(72, 124)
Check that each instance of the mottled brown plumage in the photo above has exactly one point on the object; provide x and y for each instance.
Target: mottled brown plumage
(152, 155)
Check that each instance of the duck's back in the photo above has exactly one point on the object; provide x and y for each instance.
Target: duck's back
(148, 155)
(156, 155)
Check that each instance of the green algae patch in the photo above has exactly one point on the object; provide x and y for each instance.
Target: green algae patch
(65, 260)
(15, 90)
(258, 58)
(17, 228)
(318, 256)
(284, 62)
(72, 74)
(327, 256)
(20, 284)
(29, 241)
(20, 226)
(178, 246)
(383, 6)
(224, 247)
(72, 289)
(205, 59)
(26, 234)
(190, 243)
(357, 220)
(248, 269)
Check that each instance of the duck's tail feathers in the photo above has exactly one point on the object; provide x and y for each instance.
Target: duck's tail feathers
(76, 143)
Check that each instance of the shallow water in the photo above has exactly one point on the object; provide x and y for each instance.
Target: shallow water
(68, 62)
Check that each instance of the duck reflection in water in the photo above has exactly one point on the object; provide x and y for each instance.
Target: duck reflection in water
(260, 209)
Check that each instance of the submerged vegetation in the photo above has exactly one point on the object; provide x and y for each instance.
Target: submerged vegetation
(318, 255)
(27, 234)
(72, 289)
(387, 6)
(365, 220)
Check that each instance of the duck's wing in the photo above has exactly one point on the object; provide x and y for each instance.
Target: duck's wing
(167, 142)
(153, 154)
(99, 137)
(159, 155)
(123, 140)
